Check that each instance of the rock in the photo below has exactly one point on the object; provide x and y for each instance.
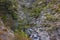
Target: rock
(5, 34)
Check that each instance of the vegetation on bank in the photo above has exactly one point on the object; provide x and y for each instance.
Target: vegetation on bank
(10, 8)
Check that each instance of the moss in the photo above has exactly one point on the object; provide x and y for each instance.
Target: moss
(21, 35)
(4, 18)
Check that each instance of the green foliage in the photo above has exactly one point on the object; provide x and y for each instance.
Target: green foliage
(14, 15)
(50, 17)
(35, 12)
(10, 6)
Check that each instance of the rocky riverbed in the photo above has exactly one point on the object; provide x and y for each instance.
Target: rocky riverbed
(44, 26)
